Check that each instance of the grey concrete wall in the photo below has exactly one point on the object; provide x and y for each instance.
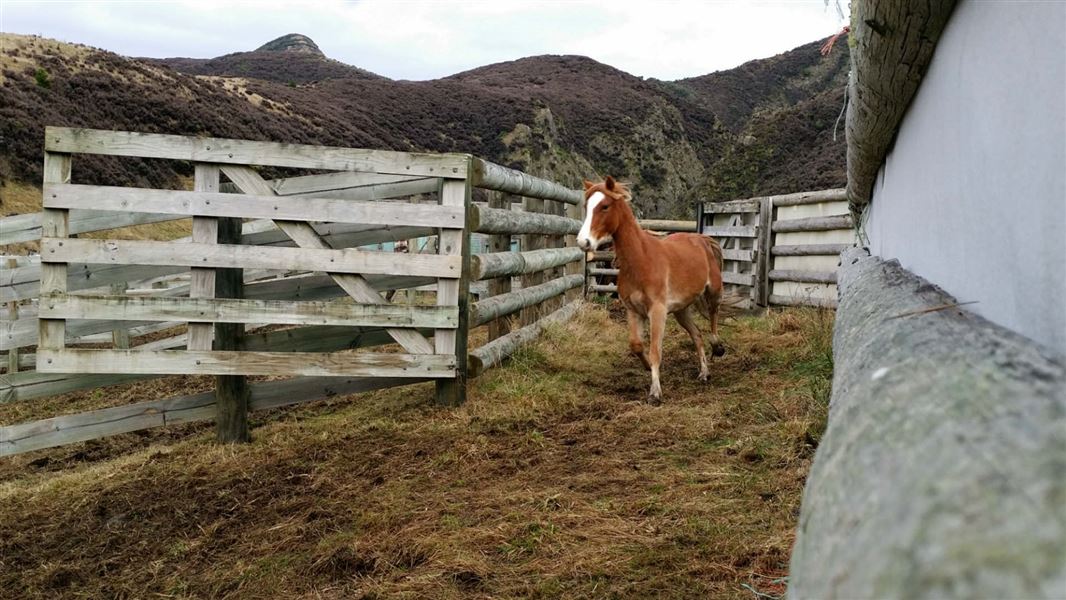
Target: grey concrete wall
(973, 195)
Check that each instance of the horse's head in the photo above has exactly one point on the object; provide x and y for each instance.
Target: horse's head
(606, 204)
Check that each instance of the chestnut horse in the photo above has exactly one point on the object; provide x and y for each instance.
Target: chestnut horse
(655, 276)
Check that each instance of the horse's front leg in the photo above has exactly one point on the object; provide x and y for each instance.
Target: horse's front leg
(657, 317)
(636, 336)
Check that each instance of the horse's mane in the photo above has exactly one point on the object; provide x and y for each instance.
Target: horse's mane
(623, 188)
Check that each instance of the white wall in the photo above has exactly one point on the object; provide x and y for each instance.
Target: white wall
(973, 195)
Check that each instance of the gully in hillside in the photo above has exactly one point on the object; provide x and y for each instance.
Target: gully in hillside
(656, 276)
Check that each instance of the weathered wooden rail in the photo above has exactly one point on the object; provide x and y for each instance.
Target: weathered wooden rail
(298, 268)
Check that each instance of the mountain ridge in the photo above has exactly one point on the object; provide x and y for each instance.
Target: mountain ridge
(719, 136)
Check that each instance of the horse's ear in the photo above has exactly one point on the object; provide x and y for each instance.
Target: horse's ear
(588, 184)
(609, 183)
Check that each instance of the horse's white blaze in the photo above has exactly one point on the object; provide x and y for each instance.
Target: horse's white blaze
(584, 237)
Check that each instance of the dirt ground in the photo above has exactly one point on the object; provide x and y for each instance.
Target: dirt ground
(555, 479)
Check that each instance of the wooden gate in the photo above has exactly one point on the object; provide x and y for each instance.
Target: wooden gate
(212, 258)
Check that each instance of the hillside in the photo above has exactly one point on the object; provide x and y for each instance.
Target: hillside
(290, 59)
(764, 127)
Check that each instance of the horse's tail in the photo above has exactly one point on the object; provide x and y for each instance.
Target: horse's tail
(715, 250)
(710, 300)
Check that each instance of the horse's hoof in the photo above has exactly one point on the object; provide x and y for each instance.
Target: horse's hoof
(703, 377)
(655, 400)
(718, 351)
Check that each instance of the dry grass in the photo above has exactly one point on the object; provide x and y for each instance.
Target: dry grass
(553, 480)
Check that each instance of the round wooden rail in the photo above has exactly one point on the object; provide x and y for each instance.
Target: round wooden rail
(494, 177)
(497, 220)
(500, 264)
(512, 302)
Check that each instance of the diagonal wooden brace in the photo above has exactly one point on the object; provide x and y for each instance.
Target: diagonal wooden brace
(305, 236)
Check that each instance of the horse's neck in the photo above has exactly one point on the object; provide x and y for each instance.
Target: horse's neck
(629, 245)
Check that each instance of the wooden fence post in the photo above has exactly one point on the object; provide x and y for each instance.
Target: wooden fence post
(575, 268)
(532, 241)
(452, 292)
(52, 333)
(762, 251)
(13, 315)
(231, 391)
(500, 242)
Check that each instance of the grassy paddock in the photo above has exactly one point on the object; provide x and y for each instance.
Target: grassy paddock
(555, 479)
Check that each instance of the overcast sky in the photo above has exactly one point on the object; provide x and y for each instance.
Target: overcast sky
(413, 39)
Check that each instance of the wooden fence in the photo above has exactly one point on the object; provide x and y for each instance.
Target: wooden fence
(276, 279)
(777, 250)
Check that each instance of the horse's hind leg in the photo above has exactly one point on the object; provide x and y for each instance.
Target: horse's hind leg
(636, 337)
(712, 302)
(684, 317)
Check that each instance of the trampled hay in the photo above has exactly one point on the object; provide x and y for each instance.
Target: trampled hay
(554, 479)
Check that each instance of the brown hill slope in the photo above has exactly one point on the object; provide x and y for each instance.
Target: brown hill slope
(289, 59)
(564, 116)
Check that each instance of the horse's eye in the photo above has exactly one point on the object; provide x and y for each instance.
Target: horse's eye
(604, 207)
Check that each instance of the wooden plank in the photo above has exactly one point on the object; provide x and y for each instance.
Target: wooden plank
(340, 180)
(803, 276)
(313, 287)
(29, 385)
(499, 264)
(496, 351)
(810, 249)
(761, 293)
(452, 292)
(27, 227)
(232, 310)
(491, 176)
(211, 203)
(24, 282)
(495, 220)
(813, 224)
(738, 278)
(723, 231)
(781, 300)
(244, 152)
(54, 222)
(344, 260)
(81, 427)
(204, 231)
(734, 206)
(602, 256)
(738, 255)
(248, 181)
(666, 225)
(506, 304)
(190, 362)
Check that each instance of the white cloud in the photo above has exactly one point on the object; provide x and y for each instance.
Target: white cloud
(419, 39)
